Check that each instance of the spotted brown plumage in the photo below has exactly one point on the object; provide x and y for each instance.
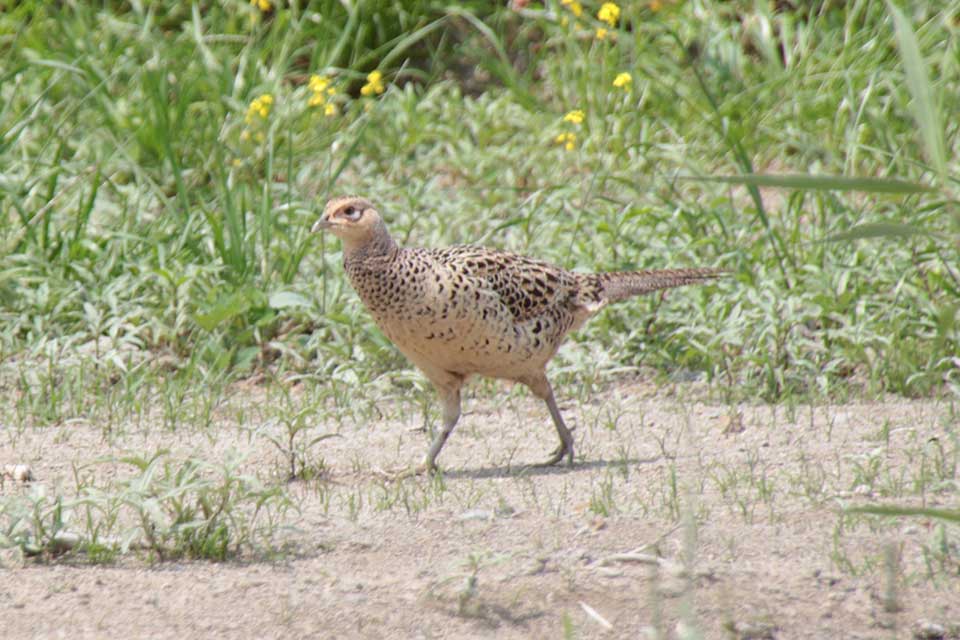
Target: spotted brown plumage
(466, 310)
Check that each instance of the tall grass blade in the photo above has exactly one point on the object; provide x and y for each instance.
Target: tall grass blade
(918, 81)
(950, 515)
(742, 158)
(409, 40)
(818, 183)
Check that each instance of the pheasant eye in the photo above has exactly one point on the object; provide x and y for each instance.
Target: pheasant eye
(352, 213)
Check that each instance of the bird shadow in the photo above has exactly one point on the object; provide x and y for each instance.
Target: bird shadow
(532, 470)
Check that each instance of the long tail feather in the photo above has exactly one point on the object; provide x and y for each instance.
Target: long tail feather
(618, 285)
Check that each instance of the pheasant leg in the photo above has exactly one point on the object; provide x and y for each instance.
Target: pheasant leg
(541, 388)
(451, 413)
(566, 438)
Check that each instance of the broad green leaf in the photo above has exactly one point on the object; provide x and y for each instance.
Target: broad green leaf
(285, 299)
(224, 309)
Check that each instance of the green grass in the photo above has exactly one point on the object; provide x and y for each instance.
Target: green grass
(146, 214)
(154, 243)
(167, 508)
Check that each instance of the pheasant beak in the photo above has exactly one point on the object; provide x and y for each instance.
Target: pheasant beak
(322, 224)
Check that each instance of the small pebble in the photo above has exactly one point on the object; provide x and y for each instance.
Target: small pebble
(926, 630)
(475, 514)
(18, 472)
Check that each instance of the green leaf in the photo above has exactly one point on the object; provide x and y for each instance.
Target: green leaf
(56, 64)
(818, 183)
(286, 299)
(321, 438)
(224, 309)
(246, 357)
(878, 230)
(512, 222)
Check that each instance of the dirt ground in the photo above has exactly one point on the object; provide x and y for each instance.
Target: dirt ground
(681, 518)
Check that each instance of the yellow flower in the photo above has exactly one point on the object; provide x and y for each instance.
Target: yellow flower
(575, 7)
(330, 109)
(609, 13)
(576, 116)
(374, 84)
(567, 140)
(622, 80)
(655, 5)
(259, 106)
(263, 5)
(601, 33)
(321, 86)
(317, 83)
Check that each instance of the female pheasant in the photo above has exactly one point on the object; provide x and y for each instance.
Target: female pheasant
(467, 310)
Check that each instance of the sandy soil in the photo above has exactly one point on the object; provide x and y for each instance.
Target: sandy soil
(679, 517)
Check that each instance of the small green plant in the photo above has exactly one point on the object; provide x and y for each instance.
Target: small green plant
(602, 501)
(34, 522)
(569, 630)
(296, 444)
(866, 470)
(170, 508)
(942, 552)
(195, 509)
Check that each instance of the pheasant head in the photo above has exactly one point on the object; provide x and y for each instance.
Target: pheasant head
(358, 224)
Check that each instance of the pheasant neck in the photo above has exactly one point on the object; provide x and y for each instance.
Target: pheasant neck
(377, 245)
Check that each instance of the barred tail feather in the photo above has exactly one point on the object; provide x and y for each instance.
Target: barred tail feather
(619, 285)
